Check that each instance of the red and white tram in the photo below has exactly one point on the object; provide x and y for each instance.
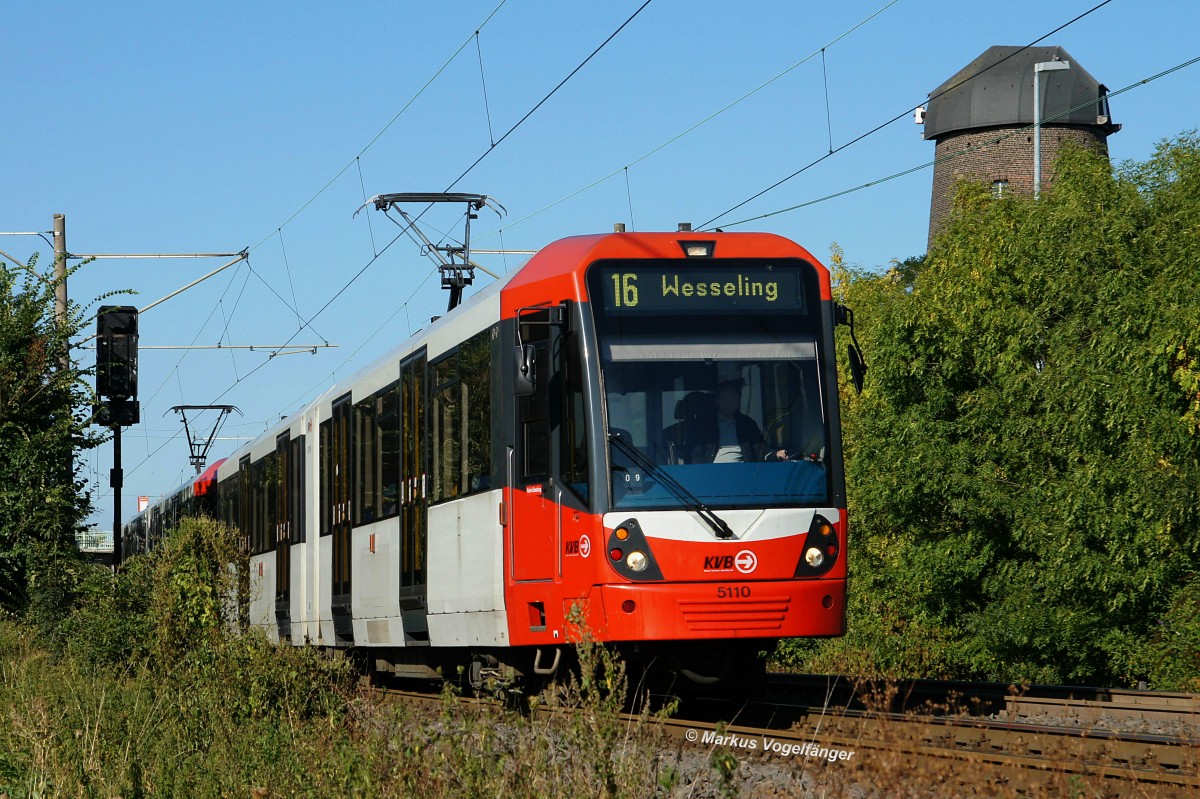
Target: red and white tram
(636, 433)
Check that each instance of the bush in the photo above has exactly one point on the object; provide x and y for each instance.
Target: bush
(45, 418)
(1171, 658)
(1023, 464)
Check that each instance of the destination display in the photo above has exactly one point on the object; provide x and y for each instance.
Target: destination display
(732, 287)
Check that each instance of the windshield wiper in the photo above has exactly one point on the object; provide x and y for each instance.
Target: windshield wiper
(677, 489)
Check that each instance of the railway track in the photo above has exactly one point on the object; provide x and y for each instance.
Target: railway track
(965, 739)
(975, 755)
(1082, 705)
(975, 736)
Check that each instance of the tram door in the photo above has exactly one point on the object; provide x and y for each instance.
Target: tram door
(245, 517)
(535, 520)
(283, 534)
(413, 494)
(343, 622)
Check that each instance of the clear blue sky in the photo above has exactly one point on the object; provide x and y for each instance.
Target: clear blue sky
(205, 127)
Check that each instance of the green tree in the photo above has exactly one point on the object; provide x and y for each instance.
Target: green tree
(44, 417)
(1024, 463)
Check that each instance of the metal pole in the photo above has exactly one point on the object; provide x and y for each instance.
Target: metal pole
(1037, 132)
(60, 286)
(251, 347)
(116, 481)
(133, 256)
(1038, 69)
(240, 257)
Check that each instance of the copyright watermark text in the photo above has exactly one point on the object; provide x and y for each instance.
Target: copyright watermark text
(770, 745)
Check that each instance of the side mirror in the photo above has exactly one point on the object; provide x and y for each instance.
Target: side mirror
(524, 370)
(857, 368)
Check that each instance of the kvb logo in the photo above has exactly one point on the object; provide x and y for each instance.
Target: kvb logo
(582, 547)
(744, 561)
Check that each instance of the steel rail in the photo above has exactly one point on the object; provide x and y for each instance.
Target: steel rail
(1013, 754)
(1082, 703)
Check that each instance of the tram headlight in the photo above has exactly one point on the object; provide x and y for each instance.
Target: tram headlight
(630, 554)
(821, 549)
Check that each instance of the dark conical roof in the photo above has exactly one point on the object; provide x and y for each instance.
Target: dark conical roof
(996, 90)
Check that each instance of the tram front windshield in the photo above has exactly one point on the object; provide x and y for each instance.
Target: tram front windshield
(712, 381)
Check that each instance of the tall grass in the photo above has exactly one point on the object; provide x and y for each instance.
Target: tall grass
(147, 686)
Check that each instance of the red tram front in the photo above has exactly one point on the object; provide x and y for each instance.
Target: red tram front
(676, 470)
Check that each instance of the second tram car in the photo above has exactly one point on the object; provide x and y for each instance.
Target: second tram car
(634, 433)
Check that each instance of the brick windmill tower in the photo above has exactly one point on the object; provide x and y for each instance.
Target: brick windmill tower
(994, 95)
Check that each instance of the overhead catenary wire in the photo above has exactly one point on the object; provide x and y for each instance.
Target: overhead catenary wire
(333, 374)
(697, 125)
(377, 254)
(363, 184)
(483, 81)
(303, 322)
(477, 161)
(405, 228)
(488, 151)
(259, 366)
(705, 225)
(549, 94)
(1127, 88)
(395, 117)
(437, 73)
(199, 331)
(286, 344)
(965, 151)
(291, 283)
(629, 199)
(828, 115)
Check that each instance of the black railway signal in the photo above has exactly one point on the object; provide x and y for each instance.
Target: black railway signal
(116, 364)
(116, 384)
(117, 352)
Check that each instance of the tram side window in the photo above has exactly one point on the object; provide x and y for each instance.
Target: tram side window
(446, 429)
(388, 447)
(475, 367)
(222, 498)
(263, 477)
(574, 441)
(461, 421)
(366, 454)
(535, 408)
(272, 489)
(245, 505)
(257, 500)
(229, 502)
(297, 489)
(377, 442)
(283, 494)
(326, 477)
